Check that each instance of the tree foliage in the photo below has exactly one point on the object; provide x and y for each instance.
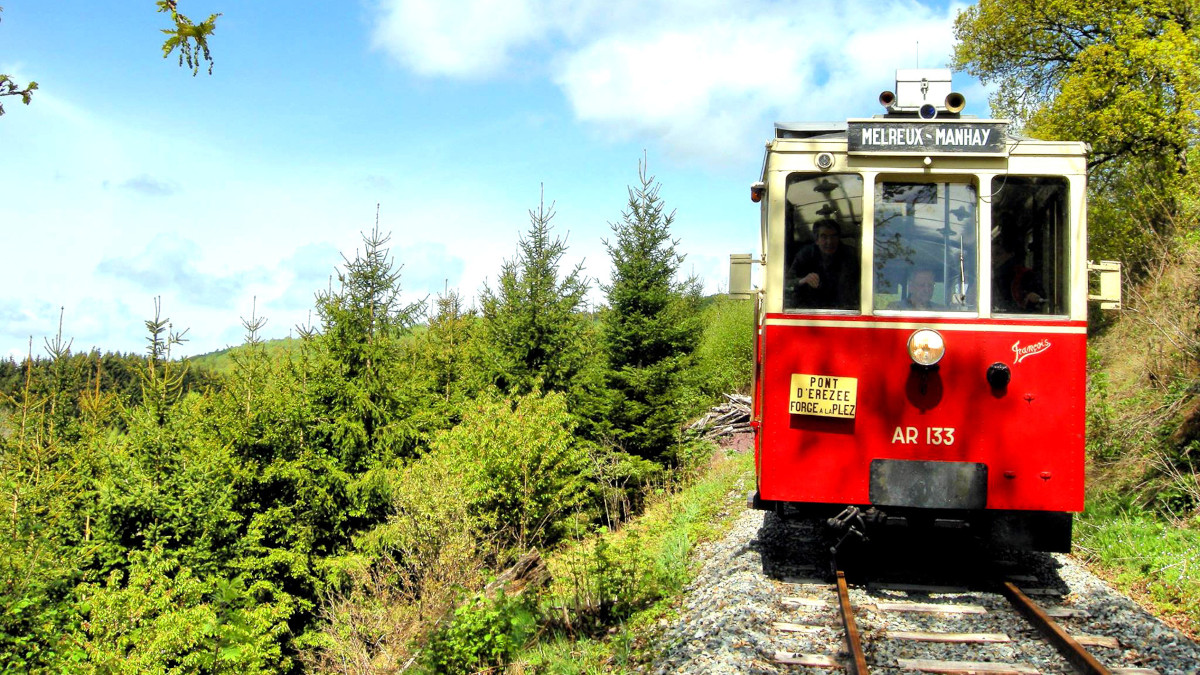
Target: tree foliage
(445, 359)
(651, 326)
(534, 331)
(191, 39)
(161, 617)
(9, 87)
(1122, 75)
(725, 354)
(330, 504)
(526, 471)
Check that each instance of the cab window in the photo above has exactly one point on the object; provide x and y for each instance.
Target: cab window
(1029, 245)
(925, 246)
(822, 242)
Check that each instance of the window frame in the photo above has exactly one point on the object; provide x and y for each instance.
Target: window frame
(972, 265)
(857, 218)
(1062, 240)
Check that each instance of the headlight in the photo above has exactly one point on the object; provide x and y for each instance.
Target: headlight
(926, 347)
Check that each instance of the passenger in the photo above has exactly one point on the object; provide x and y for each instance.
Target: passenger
(919, 292)
(1015, 288)
(825, 274)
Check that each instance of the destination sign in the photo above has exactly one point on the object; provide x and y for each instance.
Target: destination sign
(823, 395)
(878, 136)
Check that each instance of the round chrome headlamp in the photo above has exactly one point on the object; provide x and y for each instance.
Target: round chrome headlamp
(926, 347)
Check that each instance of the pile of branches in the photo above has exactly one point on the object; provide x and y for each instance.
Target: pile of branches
(725, 419)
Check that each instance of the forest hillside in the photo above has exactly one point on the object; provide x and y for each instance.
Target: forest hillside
(1124, 77)
(335, 499)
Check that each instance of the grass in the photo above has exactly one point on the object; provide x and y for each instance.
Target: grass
(1156, 562)
(1141, 530)
(648, 560)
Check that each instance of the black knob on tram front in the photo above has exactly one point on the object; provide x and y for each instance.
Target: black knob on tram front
(998, 375)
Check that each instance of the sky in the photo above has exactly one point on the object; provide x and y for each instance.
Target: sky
(128, 179)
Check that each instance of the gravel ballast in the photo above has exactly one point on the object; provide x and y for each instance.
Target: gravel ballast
(727, 621)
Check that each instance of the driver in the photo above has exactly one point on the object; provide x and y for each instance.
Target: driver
(919, 292)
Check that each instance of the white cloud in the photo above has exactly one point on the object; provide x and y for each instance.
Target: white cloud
(169, 264)
(707, 79)
(148, 185)
(467, 39)
(701, 89)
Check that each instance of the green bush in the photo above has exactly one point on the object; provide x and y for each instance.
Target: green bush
(161, 618)
(481, 634)
(632, 572)
(525, 472)
(432, 536)
(725, 357)
(621, 482)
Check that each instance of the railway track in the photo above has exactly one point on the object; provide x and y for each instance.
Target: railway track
(766, 602)
(894, 637)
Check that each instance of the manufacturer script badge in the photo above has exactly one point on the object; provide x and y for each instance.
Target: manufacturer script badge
(1019, 352)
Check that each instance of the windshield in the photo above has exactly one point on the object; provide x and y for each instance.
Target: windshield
(925, 246)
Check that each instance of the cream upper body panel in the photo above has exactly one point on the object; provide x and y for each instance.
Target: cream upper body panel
(826, 151)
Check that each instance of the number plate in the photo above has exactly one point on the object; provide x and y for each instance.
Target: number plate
(823, 395)
(930, 485)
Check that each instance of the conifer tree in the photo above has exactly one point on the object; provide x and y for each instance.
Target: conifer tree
(442, 360)
(359, 388)
(651, 326)
(534, 333)
(162, 379)
(360, 393)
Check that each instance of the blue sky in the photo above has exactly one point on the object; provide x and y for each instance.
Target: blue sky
(128, 179)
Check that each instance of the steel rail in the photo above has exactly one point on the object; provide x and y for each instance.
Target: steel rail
(858, 664)
(1074, 652)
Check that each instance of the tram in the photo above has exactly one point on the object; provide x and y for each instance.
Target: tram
(921, 321)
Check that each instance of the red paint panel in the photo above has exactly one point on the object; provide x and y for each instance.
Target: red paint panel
(1030, 436)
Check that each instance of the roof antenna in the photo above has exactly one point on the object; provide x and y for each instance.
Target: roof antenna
(918, 53)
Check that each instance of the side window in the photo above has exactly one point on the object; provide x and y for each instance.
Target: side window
(925, 246)
(1029, 245)
(823, 241)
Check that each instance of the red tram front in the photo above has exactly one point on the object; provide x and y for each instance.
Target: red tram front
(920, 347)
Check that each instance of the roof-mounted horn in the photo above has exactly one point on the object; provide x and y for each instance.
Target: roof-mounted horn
(955, 102)
(924, 93)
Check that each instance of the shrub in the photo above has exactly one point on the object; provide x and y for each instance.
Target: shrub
(408, 572)
(621, 482)
(523, 469)
(481, 634)
(163, 618)
(725, 357)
